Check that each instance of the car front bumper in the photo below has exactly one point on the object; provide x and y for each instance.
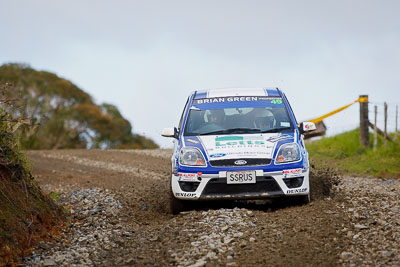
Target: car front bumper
(214, 186)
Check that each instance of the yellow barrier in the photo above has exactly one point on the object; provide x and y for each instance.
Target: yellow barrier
(319, 119)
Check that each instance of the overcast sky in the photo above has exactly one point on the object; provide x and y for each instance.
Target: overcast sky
(147, 56)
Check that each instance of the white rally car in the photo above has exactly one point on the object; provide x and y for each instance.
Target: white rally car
(238, 144)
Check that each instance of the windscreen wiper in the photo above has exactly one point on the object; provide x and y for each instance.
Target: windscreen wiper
(275, 130)
(234, 130)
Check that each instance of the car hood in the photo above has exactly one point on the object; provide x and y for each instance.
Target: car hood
(241, 146)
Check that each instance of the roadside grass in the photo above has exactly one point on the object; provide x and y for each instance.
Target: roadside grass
(55, 196)
(344, 153)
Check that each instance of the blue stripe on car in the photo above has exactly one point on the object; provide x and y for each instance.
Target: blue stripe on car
(201, 95)
(272, 92)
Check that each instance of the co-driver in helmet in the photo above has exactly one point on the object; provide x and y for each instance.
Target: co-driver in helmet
(216, 117)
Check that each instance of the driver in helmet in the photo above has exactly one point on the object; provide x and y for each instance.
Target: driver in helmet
(265, 120)
(266, 123)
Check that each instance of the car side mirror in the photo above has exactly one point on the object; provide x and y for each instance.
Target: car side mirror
(170, 132)
(307, 127)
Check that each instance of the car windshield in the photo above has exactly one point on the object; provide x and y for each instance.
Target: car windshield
(237, 120)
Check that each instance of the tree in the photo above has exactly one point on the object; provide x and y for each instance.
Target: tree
(64, 116)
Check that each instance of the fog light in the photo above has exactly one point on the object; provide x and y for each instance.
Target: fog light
(188, 186)
(294, 182)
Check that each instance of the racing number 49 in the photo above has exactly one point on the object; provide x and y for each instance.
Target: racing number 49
(276, 101)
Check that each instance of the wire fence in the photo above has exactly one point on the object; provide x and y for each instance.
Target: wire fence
(385, 121)
(392, 116)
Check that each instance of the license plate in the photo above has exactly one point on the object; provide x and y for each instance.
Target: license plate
(241, 177)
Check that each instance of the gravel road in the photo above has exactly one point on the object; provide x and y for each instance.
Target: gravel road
(117, 201)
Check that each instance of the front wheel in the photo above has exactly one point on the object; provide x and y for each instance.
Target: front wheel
(176, 205)
(298, 200)
(303, 200)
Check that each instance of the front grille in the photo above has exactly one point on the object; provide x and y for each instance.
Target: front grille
(219, 187)
(231, 162)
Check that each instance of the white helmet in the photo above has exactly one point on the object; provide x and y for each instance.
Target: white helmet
(264, 119)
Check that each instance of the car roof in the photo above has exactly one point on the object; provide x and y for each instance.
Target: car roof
(223, 92)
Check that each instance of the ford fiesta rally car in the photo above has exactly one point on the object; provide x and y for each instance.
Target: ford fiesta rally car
(238, 144)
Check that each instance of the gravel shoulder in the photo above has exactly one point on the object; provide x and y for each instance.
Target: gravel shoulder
(117, 200)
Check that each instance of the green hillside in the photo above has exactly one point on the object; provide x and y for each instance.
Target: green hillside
(345, 153)
(58, 115)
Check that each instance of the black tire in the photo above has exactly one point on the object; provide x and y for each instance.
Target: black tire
(297, 200)
(176, 205)
(302, 200)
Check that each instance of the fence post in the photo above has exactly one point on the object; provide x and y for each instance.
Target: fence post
(375, 128)
(385, 129)
(395, 132)
(364, 135)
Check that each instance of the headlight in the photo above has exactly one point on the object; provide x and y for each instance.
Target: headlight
(191, 156)
(288, 153)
